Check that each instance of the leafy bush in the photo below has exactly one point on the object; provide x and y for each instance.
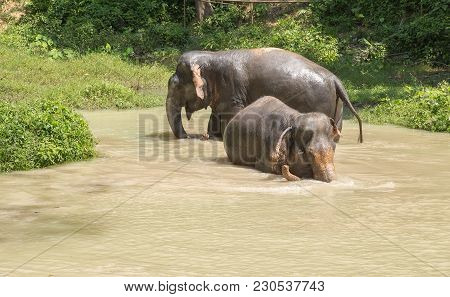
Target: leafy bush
(166, 56)
(414, 27)
(16, 36)
(86, 26)
(45, 46)
(224, 19)
(40, 134)
(293, 33)
(306, 40)
(427, 109)
(367, 51)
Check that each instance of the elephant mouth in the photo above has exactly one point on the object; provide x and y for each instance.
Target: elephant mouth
(327, 176)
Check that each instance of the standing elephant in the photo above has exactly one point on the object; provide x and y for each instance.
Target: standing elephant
(275, 138)
(228, 81)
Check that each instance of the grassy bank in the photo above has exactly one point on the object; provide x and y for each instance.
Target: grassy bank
(414, 96)
(38, 126)
(426, 108)
(89, 82)
(102, 80)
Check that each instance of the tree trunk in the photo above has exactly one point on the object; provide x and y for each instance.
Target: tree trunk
(249, 11)
(204, 9)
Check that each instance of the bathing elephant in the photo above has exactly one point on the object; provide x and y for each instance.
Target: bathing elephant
(275, 138)
(228, 81)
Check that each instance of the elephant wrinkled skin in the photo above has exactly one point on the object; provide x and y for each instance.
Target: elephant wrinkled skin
(275, 138)
(228, 81)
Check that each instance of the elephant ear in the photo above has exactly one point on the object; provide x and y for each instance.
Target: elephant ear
(335, 133)
(198, 81)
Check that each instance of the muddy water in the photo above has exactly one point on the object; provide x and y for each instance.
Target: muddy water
(152, 205)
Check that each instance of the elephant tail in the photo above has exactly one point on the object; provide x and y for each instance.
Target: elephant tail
(342, 93)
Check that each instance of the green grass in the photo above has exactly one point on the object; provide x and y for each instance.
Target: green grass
(414, 96)
(426, 108)
(89, 82)
(372, 83)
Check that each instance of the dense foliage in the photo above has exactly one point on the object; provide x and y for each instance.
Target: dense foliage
(413, 28)
(41, 133)
(132, 25)
(294, 33)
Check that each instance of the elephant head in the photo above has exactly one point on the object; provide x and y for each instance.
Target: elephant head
(186, 88)
(311, 141)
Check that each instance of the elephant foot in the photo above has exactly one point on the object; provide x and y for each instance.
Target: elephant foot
(287, 174)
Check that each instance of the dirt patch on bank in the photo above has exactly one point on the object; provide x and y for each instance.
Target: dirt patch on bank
(10, 11)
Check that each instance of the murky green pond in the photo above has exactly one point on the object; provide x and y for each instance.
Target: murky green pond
(152, 205)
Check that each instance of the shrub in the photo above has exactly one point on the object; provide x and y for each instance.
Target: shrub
(306, 40)
(368, 52)
(427, 109)
(16, 36)
(292, 33)
(224, 19)
(45, 46)
(417, 28)
(165, 56)
(40, 134)
(86, 26)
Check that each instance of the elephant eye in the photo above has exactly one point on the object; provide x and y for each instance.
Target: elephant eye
(306, 137)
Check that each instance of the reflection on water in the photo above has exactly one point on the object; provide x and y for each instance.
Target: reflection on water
(152, 205)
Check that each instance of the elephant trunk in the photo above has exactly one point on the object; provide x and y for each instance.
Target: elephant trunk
(173, 110)
(323, 166)
(326, 174)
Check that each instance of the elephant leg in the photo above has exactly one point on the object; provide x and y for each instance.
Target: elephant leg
(225, 117)
(218, 123)
(214, 130)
